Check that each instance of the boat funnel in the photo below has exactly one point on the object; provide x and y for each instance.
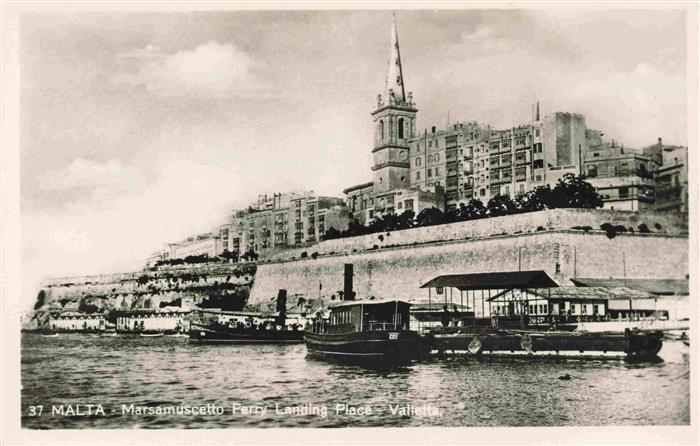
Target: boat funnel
(281, 306)
(348, 293)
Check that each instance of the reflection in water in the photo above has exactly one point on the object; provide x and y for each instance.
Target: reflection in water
(292, 388)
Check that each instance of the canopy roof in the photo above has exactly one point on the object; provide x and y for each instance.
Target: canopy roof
(348, 303)
(654, 286)
(572, 293)
(493, 281)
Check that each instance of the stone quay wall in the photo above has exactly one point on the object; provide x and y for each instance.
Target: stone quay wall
(399, 271)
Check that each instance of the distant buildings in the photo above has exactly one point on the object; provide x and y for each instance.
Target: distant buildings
(445, 168)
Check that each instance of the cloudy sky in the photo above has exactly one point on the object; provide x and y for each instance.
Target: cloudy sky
(142, 128)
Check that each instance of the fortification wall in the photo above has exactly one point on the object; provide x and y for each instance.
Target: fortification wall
(509, 225)
(398, 272)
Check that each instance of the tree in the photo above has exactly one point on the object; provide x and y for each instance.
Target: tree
(473, 210)
(85, 307)
(405, 220)
(501, 205)
(229, 255)
(429, 217)
(536, 200)
(355, 228)
(331, 234)
(573, 191)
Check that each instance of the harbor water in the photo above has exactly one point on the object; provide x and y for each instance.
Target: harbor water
(142, 382)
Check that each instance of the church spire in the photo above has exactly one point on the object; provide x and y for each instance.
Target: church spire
(394, 77)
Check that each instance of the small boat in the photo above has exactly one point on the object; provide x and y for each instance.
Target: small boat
(239, 327)
(55, 335)
(366, 331)
(152, 335)
(178, 335)
(262, 334)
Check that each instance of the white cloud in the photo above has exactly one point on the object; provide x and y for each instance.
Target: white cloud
(212, 70)
(89, 180)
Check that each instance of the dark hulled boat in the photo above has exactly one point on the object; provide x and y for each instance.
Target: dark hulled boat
(265, 333)
(248, 327)
(365, 331)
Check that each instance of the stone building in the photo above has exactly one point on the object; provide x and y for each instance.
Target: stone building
(473, 161)
(623, 177)
(671, 178)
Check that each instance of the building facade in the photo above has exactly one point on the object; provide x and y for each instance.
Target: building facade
(624, 178)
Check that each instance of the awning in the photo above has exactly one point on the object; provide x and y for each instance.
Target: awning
(653, 286)
(572, 293)
(493, 281)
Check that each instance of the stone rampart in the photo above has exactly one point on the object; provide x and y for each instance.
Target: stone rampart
(398, 272)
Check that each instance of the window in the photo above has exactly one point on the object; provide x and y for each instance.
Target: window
(624, 192)
(538, 164)
(430, 158)
(507, 190)
(437, 171)
(437, 157)
(401, 128)
(418, 175)
(381, 130)
(400, 205)
(430, 173)
(418, 161)
(537, 132)
(409, 204)
(482, 191)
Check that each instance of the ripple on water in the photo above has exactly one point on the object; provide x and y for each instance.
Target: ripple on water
(154, 372)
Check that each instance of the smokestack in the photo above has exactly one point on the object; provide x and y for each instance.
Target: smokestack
(281, 307)
(348, 293)
(537, 114)
(660, 145)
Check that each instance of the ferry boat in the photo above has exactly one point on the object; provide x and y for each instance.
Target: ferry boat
(367, 330)
(209, 325)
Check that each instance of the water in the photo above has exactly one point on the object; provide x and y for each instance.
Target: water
(159, 372)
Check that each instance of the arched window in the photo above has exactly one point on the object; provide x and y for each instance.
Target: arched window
(418, 161)
(381, 130)
(400, 128)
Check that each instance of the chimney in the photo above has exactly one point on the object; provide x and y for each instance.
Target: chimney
(660, 144)
(537, 114)
(281, 306)
(348, 293)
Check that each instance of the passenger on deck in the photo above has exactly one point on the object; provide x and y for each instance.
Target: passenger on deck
(445, 317)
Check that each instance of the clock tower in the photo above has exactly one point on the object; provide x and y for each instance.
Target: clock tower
(394, 125)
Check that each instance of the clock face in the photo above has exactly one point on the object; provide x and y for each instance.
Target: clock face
(403, 155)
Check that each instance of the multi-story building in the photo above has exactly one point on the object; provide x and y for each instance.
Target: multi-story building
(481, 162)
(623, 177)
(671, 178)
(360, 200)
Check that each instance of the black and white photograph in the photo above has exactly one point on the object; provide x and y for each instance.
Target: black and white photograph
(288, 218)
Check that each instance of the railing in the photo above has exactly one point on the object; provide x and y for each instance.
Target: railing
(383, 326)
